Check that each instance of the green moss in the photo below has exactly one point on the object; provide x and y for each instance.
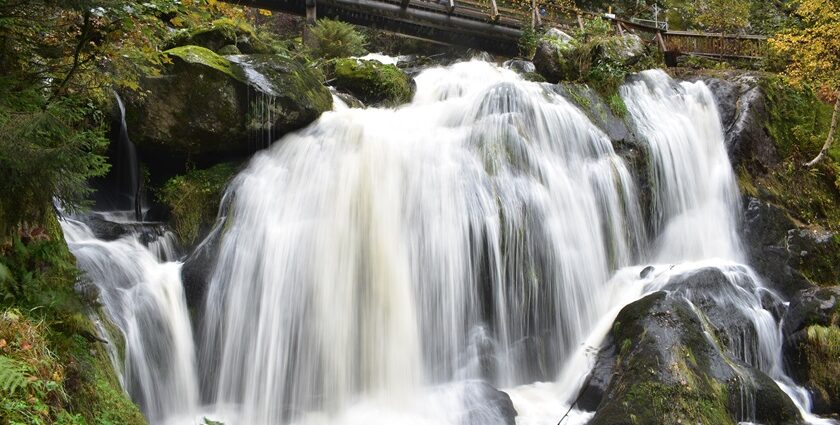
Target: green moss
(222, 32)
(194, 199)
(822, 353)
(202, 56)
(373, 82)
(798, 123)
(656, 402)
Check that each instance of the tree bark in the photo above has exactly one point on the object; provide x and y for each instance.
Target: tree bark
(831, 131)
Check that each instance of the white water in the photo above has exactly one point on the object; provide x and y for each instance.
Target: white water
(377, 263)
(142, 294)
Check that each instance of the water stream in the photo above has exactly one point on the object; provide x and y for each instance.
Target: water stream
(382, 265)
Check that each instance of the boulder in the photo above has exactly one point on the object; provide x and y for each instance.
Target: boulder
(206, 105)
(373, 82)
(520, 66)
(485, 405)
(791, 257)
(662, 363)
(218, 34)
(812, 346)
(627, 49)
(743, 109)
(552, 58)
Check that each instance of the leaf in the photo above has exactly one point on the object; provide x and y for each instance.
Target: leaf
(14, 375)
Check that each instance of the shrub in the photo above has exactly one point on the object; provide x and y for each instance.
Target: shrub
(194, 199)
(336, 39)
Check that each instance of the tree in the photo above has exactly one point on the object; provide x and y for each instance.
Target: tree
(812, 51)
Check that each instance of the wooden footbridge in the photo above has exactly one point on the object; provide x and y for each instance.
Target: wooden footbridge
(496, 25)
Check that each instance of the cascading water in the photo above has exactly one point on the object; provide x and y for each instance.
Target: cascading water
(378, 265)
(142, 294)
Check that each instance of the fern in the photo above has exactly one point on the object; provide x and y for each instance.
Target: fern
(14, 375)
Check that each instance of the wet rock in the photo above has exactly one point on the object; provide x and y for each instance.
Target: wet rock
(743, 108)
(646, 272)
(812, 345)
(198, 268)
(791, 257)
(205, 105)
(373, 82)
(665, 367)
(485, 405)
(520, 66)
(765, 238)
(105, 229)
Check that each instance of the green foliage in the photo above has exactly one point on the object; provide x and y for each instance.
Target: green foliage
(14, 375)
(47, 150)
(528, 41)
(194, 199)
(798, 122)
(336, 39)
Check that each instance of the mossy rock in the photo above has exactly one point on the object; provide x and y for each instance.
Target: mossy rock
(814, 361)
(812, 346)
(554, 57)
(193, 199)
(220, 33)
(205, 105)
(373, 82)
(662, 365)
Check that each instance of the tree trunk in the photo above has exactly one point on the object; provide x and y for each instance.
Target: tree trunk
(831, 131)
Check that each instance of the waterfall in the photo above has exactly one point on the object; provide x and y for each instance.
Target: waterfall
(384, 265)
(142, 294)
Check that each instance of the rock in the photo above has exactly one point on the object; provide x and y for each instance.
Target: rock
(105, 229)
(662, 367)
(789, 256)
(813, 306)
(350, 100)
(485, 405)
(743, 109)
(627, 49)
(202, 105)
(373, 82)
(812, 346)
(520, 66)
(646, 271)
(219, 34)
(229, 50)
(763, 235)
(198, 268)
(558, 35)
(552, 58)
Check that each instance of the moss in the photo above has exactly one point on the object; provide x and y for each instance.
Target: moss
(221, 32)
(373, 82)
(656, 402)
(798, 123)
(821, 350)
(202, 56)
(194, 199)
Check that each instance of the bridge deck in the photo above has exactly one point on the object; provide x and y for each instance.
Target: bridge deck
(496, 25)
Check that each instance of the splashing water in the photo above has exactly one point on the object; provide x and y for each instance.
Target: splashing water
(383, 265)
(142, 294)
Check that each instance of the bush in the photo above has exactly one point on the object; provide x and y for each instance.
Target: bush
(194, 199)
(335, 39)
(528, 42)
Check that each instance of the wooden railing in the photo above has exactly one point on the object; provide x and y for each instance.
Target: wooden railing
(716, 45)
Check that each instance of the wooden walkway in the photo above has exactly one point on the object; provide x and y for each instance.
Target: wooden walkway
(496, 25)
